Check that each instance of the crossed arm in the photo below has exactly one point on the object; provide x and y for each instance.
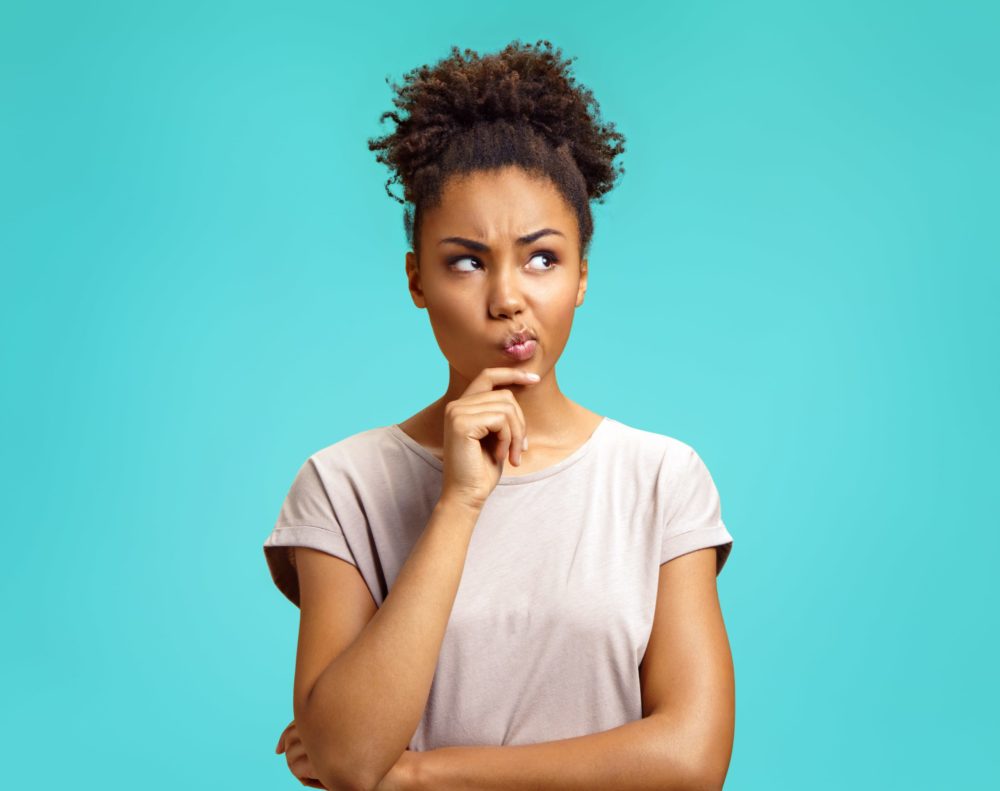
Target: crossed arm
(682, 743)
(649, 753)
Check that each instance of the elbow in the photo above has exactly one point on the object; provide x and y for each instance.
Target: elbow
(342, 772)
(333, 785)
(708, 774)
(347, 775)
(705, 781)
(705, 764)
(337, 777)
(335, 767)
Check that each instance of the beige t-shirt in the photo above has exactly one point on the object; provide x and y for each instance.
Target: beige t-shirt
(555, 605)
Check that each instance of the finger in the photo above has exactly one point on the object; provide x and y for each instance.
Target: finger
(479, 422)
(489, 378)
(503, 438)
(515, 421)
(519, 433)
(302, 769)
(281, 740)
(295, 752)
(306, 774)
(298, 765)
(487, 397)
(519, 440)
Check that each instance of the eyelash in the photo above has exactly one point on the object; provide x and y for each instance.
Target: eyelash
(552, 260)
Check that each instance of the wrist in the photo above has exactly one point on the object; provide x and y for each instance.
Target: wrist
(459, 504)
(422, 775)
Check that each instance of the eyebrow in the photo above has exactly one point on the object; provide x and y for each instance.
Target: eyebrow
(482, 248)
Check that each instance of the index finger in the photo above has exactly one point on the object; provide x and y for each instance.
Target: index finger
(281, 739)
(489, 378)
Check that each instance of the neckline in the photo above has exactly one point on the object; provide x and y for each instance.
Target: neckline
(506, 480)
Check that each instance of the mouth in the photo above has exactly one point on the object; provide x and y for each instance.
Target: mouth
(520, 346)
(518, 339)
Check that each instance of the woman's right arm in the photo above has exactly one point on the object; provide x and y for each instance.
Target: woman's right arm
(357, 711)
(363, 675)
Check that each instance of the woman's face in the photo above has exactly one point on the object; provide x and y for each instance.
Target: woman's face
(480, 280)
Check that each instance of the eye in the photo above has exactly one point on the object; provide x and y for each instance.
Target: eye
(452, 263)
(550, 256)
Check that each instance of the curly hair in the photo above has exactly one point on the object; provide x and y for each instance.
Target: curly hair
(520, 106)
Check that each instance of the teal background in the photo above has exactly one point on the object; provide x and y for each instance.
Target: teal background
(203, 284)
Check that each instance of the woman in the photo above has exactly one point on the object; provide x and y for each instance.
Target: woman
(506, 589)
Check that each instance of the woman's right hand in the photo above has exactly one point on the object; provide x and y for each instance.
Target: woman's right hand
(299, 764)
(473, 459)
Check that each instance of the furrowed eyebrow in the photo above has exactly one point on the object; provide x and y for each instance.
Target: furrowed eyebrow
(482, 248)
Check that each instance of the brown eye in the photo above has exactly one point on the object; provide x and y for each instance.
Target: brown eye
(552, 260)
(453, 261)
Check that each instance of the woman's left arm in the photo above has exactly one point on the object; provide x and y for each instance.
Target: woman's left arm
(684, 740)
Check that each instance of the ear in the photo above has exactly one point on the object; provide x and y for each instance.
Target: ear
(583, 283)
(413, 279)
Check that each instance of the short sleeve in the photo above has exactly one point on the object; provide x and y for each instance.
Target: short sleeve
(306, 519)
(694, 514)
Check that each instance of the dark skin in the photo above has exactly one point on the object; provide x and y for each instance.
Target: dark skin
(474, 298)
(474, 301)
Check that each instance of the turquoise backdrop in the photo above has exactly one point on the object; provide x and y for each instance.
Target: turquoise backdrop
(203, 284)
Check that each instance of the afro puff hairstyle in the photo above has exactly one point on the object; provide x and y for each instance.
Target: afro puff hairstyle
(520, 106)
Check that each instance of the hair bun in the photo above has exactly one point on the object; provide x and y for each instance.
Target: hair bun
(520, 105)
(524, 83)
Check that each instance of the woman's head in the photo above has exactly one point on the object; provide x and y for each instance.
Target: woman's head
(500, 257)
(520, 106)
(493, 151)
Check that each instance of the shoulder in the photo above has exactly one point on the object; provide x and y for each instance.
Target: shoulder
(648, 447)
(352, 452)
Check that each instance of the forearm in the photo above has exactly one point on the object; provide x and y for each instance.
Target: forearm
(650, 753)
(364, 708)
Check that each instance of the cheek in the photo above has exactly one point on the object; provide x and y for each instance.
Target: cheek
(451, 321)
(445, 302)
(558, 309)
(452, 316)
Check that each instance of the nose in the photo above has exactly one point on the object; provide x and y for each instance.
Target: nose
(505, 295)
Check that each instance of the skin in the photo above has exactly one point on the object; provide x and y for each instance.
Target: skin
(474, 301)
(685, 737)
(474, 298)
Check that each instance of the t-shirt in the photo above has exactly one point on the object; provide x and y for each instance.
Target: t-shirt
(555, 605)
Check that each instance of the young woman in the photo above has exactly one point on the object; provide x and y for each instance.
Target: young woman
(506, 589)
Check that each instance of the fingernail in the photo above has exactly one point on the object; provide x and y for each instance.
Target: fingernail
(524, 444)
(533, 376)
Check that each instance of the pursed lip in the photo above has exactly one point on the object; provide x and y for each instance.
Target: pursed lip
(515, 338)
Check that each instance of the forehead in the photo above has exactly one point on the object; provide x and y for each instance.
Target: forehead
(498, 204)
